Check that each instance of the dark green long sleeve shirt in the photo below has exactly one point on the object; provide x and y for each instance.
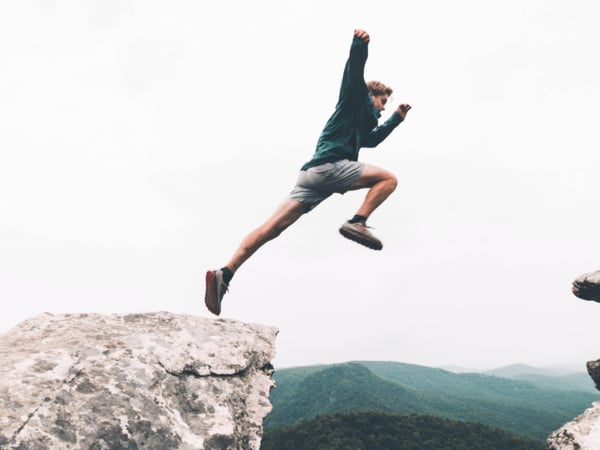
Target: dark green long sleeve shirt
(354, 122)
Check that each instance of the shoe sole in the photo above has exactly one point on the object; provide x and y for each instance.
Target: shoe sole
(210, 297)
(361, 239)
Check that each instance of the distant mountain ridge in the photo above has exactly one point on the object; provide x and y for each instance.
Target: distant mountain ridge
(568, 378)
(513, 370)
(520, 368)
(519, 407)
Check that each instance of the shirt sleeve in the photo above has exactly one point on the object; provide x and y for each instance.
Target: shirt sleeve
(378, 134)
(353, 81)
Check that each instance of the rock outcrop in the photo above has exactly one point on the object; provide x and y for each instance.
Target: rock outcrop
(593, 368)
(583, 433)
(587, 286)
(151, 381)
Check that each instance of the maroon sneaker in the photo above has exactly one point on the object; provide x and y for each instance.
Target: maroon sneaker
(216, 288)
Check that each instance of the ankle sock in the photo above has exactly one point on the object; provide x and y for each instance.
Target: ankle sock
(358, 218)
(227, 274)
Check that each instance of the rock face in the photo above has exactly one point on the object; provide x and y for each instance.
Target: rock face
(151, 381)
(583, 433)
(593, 368)
(587, 286)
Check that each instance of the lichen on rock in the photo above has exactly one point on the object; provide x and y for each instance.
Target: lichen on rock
(155, 381)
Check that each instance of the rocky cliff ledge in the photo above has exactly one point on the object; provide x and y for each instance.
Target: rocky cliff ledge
(583, 433)
(152, 381)
(587, 286)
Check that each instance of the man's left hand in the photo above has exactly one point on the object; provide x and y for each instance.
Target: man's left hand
(403, 109)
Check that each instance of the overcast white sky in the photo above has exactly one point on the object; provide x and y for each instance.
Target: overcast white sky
(142, 140)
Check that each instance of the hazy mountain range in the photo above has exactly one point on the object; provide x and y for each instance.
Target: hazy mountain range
(523, 401)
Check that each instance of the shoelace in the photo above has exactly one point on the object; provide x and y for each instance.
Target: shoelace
(224, 285)
(367, 227)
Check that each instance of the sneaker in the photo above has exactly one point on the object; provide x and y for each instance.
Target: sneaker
(216, 288)
(359, 232)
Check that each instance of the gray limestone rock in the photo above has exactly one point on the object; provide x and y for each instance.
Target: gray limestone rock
(583, 433)
(587, 286)
(137, 381)
(593, 368)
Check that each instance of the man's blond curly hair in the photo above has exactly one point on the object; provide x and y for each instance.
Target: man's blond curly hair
(378, 88)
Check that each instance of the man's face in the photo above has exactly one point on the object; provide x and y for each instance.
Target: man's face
(379, 101)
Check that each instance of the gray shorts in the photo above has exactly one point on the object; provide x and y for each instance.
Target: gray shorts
(317, 183)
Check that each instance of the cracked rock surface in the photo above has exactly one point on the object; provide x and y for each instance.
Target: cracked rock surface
(151, 381)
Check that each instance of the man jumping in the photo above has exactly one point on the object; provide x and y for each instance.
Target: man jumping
(334, 168)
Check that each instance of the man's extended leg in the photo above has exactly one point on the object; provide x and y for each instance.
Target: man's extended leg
(285, 215)
(216, 283)
(381, 184)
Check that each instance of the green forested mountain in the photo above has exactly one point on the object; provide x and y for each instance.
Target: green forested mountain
(518, 407)
(381, 431)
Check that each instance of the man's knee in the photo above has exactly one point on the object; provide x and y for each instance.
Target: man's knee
(391, 181)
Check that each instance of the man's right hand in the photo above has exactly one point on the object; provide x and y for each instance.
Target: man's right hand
(362, 34)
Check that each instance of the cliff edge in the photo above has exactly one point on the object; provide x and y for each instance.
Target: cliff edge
(587, 286)
(583, 433)
(154, 381)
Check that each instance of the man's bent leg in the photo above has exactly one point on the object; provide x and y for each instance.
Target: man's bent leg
(381, 184)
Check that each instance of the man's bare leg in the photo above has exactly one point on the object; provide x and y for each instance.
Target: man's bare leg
(286, 214)
(217, 281)
(381, 184)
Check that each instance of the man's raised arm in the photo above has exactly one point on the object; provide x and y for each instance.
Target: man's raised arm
(353, 82)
